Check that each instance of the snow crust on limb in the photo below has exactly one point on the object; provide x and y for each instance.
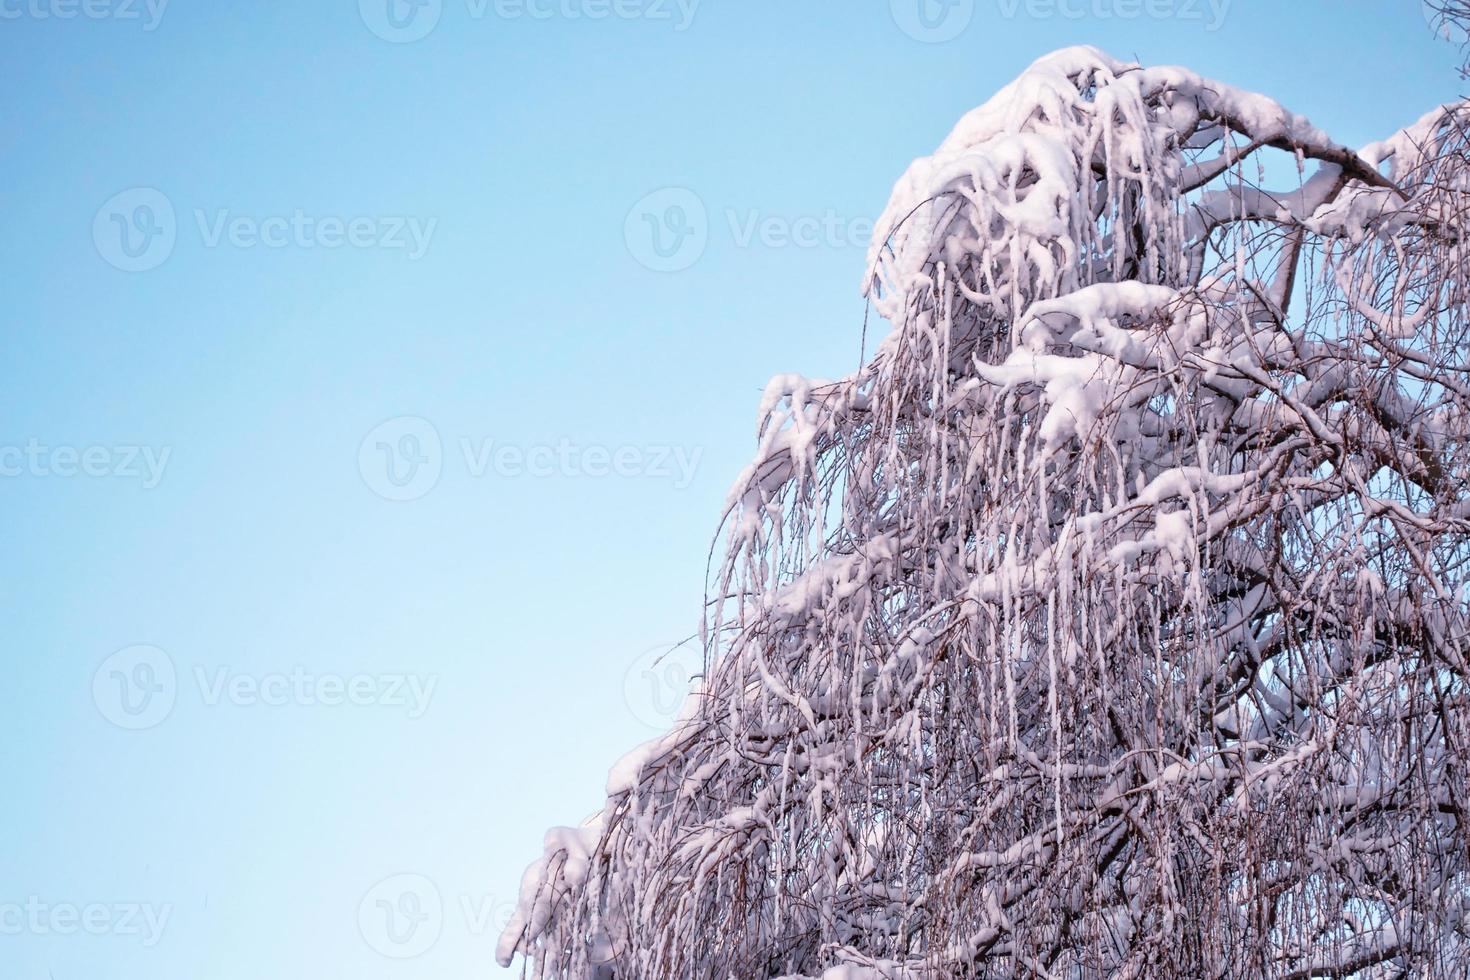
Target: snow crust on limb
(1112, 620)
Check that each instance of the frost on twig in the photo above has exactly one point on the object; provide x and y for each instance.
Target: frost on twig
(1112, 620)
(1450, 20)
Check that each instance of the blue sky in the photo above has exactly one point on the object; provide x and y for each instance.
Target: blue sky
(372, 388)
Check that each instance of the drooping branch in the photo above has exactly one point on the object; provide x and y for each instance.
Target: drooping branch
(1111, 621)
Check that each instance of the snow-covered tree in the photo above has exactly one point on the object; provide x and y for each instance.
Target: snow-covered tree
(1113, 619)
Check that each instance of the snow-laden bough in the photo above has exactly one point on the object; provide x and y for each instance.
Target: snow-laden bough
(1111, 621)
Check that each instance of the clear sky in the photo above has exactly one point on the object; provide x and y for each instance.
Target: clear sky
(373, 379)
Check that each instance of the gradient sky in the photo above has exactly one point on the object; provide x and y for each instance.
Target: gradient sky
(338, 559)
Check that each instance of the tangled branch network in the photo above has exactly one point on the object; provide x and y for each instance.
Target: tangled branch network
(1112, 620)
